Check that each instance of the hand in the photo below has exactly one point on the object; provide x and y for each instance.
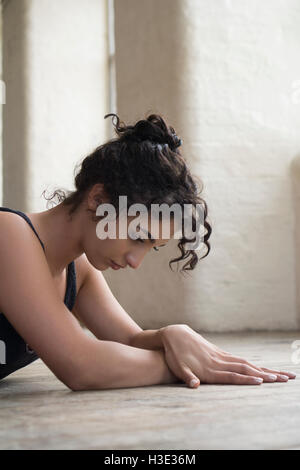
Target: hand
(191, 357)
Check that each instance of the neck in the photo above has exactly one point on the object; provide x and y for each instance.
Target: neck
(60, 234)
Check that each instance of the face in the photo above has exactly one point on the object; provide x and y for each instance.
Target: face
(117, 253)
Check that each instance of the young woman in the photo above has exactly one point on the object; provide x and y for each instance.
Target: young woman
(51, 279)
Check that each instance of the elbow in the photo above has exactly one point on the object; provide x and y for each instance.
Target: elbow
(75, 385)
(76, 381)
(81, 381)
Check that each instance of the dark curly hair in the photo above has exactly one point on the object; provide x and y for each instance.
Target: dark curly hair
(144, 164)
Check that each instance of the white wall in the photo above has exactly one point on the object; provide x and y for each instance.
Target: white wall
(55, 67)
(223, 73)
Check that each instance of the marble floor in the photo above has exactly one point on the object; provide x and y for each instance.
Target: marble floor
(37, 411)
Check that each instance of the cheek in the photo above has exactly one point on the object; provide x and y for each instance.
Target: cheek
(95, 250)
(102, 251)
(93, 256)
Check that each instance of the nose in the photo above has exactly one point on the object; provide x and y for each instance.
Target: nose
(134, 260)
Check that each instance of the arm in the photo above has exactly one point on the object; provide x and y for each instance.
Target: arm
(148, 339)
(123, 366)
(98, 309)
(45, 323)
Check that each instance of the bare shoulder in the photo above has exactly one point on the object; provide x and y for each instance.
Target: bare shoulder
(31, 302)
(14, 227)
(12, 223)
(9, 219)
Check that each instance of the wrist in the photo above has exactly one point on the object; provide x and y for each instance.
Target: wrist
(148, 339)
(168, 376)
(166, 331)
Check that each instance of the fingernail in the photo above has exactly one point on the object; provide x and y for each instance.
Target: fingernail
(293, 373)
(283, 377)
(193, 382)
(271, 377)
(257, 380)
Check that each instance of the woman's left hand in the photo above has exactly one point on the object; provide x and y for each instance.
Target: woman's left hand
(190, 356)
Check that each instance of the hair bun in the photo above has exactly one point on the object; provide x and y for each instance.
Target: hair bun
(153, 129)
(175, 141)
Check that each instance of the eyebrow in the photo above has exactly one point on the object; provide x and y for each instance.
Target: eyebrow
(152, 240)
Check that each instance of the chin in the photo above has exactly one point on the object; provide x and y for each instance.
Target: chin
(102, 266)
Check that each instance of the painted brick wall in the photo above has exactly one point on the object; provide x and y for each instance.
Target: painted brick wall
(225, 74)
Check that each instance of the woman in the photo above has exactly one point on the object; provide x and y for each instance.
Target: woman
(53, 260)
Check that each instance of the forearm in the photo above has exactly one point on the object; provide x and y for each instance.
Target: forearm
(108, 364)
(148, 339)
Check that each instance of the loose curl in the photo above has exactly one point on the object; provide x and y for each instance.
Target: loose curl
(144, 164)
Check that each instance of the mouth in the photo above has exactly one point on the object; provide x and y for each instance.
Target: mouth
(115, 265)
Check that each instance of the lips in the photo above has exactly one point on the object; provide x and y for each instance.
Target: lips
(115, 266)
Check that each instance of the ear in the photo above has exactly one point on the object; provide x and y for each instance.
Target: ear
(96, 196)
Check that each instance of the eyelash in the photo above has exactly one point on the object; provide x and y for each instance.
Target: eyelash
(141, 240)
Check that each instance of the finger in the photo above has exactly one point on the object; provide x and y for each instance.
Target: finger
(242, 361)
(290, 375)
(224, 377)
(189, 378)
(282, 376)
(247, 370)
(231, 358)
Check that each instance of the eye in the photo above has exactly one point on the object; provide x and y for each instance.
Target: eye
(143, 241)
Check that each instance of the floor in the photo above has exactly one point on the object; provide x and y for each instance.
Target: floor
(39, 412)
